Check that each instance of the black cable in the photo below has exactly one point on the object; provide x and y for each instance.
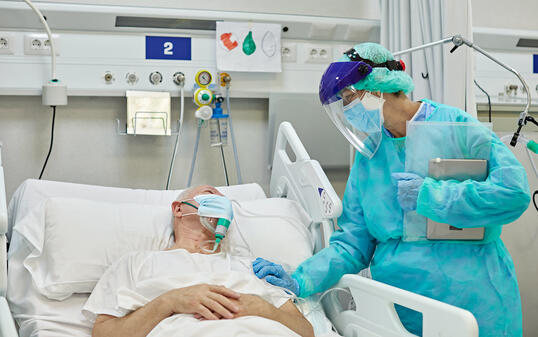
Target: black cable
(51, 141)
(489, 99)
(534, 195)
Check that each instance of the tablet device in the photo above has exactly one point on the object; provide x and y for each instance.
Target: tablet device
(458, 169)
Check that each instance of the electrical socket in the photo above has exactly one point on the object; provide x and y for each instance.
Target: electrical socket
(318, 53)
(39, 44)
(289, 52)
(7, 43)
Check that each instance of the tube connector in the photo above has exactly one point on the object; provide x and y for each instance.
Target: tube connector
(533, 146)
(179, 78)
(54, 93)
(225, 79)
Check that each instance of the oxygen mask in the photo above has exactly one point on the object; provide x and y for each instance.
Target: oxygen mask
(215, 214)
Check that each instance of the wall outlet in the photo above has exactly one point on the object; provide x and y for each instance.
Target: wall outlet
(289, 52)
(316, 53)
(7, 43)
(39, 44)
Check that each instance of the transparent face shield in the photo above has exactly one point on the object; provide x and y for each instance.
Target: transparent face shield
(358, 115)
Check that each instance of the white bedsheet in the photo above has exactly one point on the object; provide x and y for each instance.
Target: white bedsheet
(186, 325)
(138, 278)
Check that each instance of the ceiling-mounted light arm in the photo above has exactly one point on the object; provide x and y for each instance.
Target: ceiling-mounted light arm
(458, 41)
(49, 33)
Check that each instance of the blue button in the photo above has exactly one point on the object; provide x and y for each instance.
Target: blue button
(168, 48)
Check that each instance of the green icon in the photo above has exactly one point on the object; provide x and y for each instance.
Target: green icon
(205, 97)
(249, 47)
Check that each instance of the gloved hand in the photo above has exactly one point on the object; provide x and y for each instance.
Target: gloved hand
(274, 274)
(408, 187)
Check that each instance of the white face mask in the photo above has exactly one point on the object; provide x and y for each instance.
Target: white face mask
(372, 102)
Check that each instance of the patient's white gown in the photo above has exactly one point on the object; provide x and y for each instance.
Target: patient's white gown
(138, 278)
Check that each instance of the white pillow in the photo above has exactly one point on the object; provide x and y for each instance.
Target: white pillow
(278, 232)
(73, 241)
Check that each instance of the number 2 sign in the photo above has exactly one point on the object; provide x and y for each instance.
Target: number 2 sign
(168, 48)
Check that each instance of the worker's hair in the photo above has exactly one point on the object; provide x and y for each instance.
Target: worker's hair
(185, 194)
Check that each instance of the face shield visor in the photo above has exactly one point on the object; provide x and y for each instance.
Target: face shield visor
(358, 115)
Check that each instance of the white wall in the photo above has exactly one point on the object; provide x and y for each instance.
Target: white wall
(364, 9)
(88, 150)
(518, 14)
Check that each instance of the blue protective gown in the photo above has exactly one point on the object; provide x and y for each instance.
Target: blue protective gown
(478, 277)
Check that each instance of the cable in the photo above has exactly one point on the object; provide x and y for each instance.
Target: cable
(532, 161)
(179, 133)
(222, 155)
(194, 154)
(51, 141)
(534, 195)
(49, 33)
(489, 99)
(237, 167)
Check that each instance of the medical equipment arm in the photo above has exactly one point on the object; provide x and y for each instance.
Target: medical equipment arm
(458, 41)
(350, 249)
(498, 200)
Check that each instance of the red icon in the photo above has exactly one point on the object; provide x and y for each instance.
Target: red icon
(228, 41)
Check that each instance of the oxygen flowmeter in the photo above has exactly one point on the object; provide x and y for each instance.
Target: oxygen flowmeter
(210, 100)
(203, 96)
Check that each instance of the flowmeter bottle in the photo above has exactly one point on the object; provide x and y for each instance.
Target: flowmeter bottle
(218, 126)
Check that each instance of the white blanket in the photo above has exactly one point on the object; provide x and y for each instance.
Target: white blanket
(186, 325)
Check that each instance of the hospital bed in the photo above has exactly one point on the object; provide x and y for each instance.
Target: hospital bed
(366, 309)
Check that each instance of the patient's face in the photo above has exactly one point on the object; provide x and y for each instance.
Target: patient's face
(181, 209)
(187, 225)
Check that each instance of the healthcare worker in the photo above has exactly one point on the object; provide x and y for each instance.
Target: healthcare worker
(364, 95)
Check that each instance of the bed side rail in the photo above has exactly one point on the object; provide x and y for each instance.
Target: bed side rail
(3, 230)
(374, 313)
(303, 180)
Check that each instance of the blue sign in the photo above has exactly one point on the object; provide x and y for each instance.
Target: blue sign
(535, 64)
(168, 48)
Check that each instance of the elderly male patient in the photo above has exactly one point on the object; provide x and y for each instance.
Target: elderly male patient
(188, 291)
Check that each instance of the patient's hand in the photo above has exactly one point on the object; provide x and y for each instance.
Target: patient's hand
(204, 300)
(253, 305)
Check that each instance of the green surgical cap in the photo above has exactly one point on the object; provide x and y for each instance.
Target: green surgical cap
(380, 79)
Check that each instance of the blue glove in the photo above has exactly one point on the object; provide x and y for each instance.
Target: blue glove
(408, 187)
(274, 274)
